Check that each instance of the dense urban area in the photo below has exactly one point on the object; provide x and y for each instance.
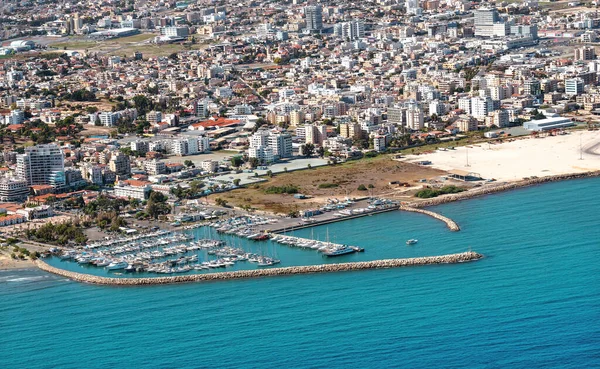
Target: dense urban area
(116, 116)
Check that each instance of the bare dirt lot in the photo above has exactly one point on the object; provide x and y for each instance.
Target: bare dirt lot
(332, 181)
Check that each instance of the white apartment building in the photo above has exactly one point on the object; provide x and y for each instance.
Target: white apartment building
(133, 192)
(16, 116)
(12, 189)
(154, 167)
(42, 164)
(108, 118)
(481, 106)
(269, 146)
(414, 118)
(210, 166)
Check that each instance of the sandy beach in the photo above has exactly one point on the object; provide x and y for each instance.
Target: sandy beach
(7, 263)
(576, 152)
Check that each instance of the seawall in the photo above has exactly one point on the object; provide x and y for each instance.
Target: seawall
(490, 189)
(257, 273)
(452, 225)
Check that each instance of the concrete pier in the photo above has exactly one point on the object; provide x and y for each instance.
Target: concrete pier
(452, 225)
(257, 273)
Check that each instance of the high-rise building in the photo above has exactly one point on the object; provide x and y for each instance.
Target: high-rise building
(315, 134)
(352, 30)
(42, 164)
(532, 87)
(269, 146)
(488, 23)
(481, 106)
(120, 164)
(314, 18)
(414, 117)
(395, 115)
(412, 7)
(77, 23)
(574, 86)
(585, 53)
(201, 108)
(350, 130)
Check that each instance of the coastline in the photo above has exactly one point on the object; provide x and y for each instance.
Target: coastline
(258, 273)
(482, 191)
(6, 263)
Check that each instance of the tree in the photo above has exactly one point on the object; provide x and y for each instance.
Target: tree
(236, 161)
(142, 104)
(253, 162)
(308, 149)
(188, 163)
(157, 205)
(362, 187)
(236, 182)
(321, 151)
(269, 173)
(221, 202)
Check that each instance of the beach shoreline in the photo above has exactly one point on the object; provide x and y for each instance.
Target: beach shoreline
(6, 263)
(502, 187)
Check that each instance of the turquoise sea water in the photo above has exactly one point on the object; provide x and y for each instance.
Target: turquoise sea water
(533, 302)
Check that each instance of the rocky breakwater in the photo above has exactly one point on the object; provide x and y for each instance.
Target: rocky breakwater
(494, 188)
(257, 273)
(452, 225)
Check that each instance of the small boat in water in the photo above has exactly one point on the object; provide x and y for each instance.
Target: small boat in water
(338, 251)
(412, 241)
(117, 265)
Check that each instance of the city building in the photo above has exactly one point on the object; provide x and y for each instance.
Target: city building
(155, 167)
(12, 189)
(585, 53)
(124, 190)
(574, 86)
(313, 16)
(42, 164)
(548, 124)
(120, 164)
(488, 23)
(352, 30)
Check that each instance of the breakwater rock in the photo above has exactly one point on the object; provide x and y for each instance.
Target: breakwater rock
(257, 273)
(452, 225)
(490, 189)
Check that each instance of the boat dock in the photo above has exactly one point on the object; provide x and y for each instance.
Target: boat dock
(257, 273)
(332, 219)
(320, 246)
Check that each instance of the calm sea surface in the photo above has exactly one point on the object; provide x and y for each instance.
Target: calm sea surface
(533, 302)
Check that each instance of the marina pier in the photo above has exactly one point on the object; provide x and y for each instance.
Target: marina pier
(329, 219)
(452, 225)
(244, 274)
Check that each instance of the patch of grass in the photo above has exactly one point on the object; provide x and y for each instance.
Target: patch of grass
(71, 45)
(429, 192)
(289, 189)
(135, 38)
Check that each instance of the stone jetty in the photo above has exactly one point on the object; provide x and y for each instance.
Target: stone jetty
(257, 273)
(490, 189)
(452, 225)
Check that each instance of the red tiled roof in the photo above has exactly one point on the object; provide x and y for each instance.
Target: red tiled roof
(220, 121)
(136, 183)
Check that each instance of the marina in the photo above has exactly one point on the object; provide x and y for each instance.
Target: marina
(163, 252)
(308, 269)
